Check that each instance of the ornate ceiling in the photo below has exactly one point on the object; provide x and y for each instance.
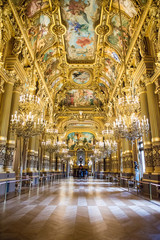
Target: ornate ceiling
(79, 47)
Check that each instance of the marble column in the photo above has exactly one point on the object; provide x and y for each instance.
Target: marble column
(146, 138)
(10, 147)
(154, 116)
(4, 121)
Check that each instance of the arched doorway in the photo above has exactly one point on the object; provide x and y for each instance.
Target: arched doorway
(81, 157)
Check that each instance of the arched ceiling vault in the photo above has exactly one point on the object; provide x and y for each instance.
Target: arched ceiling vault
(80, 47)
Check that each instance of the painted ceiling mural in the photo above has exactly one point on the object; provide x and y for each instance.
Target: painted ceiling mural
(35, 6)
(119, 38)
(108, 51)
(76, 138)
(127, 6)
(110, 70)
(39, 34)
(81, 98)
(80, 76)
(79, 67)
(80, 39)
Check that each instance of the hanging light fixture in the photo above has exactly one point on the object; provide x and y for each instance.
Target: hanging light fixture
(26, 125)
(132, 127)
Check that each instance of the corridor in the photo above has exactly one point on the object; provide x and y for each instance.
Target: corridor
(79, 210)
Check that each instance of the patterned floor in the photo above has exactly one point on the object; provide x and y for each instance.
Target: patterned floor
(79, 209)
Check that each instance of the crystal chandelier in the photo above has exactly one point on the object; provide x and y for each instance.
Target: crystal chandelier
(51, 129)
(61, 144)
(29, 102)
(26, 125)
(50, 145)
(132, 127)
(107, 147)
(128, 103)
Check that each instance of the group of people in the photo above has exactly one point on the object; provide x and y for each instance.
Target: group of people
(83, 173)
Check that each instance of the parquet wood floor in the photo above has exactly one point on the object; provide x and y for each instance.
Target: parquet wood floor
(79, 210)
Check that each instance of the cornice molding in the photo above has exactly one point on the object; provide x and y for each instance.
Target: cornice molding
(12, 63)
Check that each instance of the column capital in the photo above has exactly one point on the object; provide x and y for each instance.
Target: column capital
(142, 88)
(17, 87)
(147, 77)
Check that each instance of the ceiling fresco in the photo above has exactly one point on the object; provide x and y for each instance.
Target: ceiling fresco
(118, 38)
(127, 6)
(39, 34)
(80, 18)
(35, 6)
(80, 76)
(81, 98)
(79, 46)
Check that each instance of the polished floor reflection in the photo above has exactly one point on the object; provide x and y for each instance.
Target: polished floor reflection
(79, 210)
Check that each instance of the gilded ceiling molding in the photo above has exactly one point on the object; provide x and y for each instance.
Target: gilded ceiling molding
(133, 41)
(28, 46)
(140, 70)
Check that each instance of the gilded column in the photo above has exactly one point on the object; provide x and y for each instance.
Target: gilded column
(36, 156)
(146, 138)
(45, 163)
(4, 121)
(114, 161)
(108, 164)
(31, 155)
(59, 164)
(53, 162)
(155, 126)
(123, 155)
(10, 147)
(128, 158)
(96, 166)
(102, 165)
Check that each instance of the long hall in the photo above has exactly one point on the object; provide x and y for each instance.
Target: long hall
(79, 209)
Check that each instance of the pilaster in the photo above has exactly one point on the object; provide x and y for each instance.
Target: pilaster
(4, 120)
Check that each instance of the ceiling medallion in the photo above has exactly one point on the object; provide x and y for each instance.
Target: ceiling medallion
(102, 30)
(58, 30)
(80, 76)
